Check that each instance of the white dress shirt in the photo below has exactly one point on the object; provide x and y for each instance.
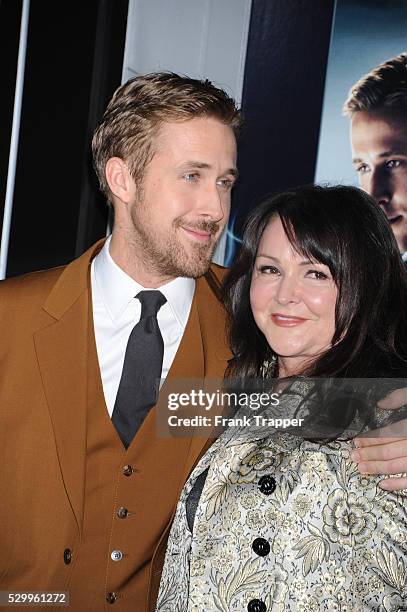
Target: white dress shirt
(116, 311)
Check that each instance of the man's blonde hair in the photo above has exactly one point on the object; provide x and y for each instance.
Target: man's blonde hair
(384, 87)
(138, 108)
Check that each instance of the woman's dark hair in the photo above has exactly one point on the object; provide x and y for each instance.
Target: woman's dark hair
(343, 228)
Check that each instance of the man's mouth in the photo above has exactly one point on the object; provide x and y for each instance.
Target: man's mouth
(392, 219)
(198, 234)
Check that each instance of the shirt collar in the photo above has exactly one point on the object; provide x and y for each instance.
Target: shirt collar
(117, 288)
(404, 257)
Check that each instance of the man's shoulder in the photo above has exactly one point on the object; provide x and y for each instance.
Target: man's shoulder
(29, 286)
(21, 304)
(69, 280)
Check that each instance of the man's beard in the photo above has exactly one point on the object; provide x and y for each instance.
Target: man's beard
(167, 256)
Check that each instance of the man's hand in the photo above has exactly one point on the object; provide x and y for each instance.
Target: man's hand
(382, 456)
(387, 452)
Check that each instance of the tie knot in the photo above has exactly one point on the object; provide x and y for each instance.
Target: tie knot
(151, 302)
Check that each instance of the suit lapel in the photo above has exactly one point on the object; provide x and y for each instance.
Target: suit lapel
(62, 353)
(62, 357)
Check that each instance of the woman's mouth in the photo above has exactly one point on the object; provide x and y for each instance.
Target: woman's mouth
(286, 320)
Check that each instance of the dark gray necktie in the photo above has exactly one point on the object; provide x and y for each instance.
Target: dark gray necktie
(139, 383)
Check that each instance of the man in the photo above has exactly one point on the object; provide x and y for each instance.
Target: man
(377, 107)
(86, 500)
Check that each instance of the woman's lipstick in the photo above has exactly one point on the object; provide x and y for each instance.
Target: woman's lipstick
(286, 320)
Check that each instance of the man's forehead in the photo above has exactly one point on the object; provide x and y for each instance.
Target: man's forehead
(196, 139)
(195, 125)
(379, 131)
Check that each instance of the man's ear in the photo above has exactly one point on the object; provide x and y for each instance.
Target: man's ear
(119, 179)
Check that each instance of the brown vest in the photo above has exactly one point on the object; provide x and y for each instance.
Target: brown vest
(127, 497)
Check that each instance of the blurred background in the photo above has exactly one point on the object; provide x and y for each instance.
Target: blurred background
(289, 64)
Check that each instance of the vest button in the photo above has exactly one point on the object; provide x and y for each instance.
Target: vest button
(267, 484)
(127, 470)
(256, 605)
(261, 547)
(116, 555)
(111, 598)
(67, 556)
(122, 513)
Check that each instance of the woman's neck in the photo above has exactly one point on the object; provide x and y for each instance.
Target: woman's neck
(292, 366)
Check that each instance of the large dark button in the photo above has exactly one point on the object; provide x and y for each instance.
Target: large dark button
(267, 484)
(111, 598)
(256, 605)
(261, 547)
(67, 556)
(122, 512)
(128, 470)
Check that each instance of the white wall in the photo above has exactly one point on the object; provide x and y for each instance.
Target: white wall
(198, 38)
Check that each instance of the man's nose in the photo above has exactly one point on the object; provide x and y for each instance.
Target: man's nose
(214, 204)
(379, 186)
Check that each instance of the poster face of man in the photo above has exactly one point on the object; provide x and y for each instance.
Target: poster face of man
(379, 155)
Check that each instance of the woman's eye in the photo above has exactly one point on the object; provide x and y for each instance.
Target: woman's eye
(269, 270)
(317, 274)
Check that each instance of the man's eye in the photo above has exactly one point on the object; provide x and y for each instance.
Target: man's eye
(268, 270)
(225, 183)
(317, 274)
(191, 176)
(362, 168)
(393, 163)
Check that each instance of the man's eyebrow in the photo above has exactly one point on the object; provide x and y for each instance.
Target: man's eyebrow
(389, 153)
(205, 166)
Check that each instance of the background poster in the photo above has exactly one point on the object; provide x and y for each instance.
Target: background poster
(299, 132)
(365, 33)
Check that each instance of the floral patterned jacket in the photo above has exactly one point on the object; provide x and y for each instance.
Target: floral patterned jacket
(284, 524)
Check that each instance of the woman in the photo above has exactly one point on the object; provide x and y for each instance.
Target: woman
(276, 521)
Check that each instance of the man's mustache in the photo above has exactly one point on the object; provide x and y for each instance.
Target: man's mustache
(210, 227)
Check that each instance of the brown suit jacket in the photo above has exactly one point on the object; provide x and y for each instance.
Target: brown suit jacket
(44, 322)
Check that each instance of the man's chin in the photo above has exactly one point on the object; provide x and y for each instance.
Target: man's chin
(197, 264)
(197, 268)
(402, 244)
